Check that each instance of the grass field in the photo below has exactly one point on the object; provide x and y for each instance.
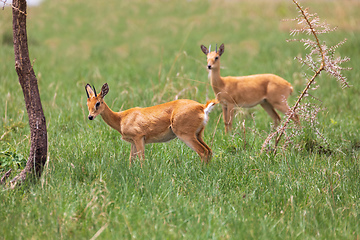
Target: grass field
(149, 53)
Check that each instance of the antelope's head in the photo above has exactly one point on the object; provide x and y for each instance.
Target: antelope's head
(95, 102)
(213, 58)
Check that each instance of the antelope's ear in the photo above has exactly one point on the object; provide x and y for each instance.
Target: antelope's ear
(221, 49)
(89, 91)
(104, 90)
(204, 49)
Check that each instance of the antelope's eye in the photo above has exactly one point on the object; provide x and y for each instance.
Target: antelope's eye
(216, 58)
(97, 105)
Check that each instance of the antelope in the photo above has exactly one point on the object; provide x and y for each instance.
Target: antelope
(268, 90)
(183, 118)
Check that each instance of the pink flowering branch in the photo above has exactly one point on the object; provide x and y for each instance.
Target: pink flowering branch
(324, 61)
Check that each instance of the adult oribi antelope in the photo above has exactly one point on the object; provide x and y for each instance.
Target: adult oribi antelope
(185, 119)
(268, 90)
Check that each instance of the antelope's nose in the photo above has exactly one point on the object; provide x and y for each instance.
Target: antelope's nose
(209, 66)
(91, 117)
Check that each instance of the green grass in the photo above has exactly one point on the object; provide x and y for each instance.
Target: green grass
(149, 52)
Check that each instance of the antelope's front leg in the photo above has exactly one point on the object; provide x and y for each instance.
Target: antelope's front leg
(227, 112)
(132, 153)
(224, 108)
(140, 148)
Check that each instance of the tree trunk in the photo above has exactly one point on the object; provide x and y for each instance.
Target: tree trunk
(28, 82)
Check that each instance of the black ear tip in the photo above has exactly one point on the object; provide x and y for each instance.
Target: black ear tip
(87, 93)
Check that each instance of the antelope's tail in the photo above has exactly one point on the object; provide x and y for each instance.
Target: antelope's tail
(210, 105)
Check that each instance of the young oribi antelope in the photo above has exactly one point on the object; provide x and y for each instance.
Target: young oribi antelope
(183, 118)
(268, 90)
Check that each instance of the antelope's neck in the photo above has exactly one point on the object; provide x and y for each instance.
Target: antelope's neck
(111, 118)
(217, 82)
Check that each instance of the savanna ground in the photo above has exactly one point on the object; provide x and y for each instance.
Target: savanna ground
(149, 53)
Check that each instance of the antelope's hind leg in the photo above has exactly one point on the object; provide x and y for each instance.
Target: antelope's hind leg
(201, 140)
(271, 111)
(188, 130)
(283, 107)
(196, 145)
